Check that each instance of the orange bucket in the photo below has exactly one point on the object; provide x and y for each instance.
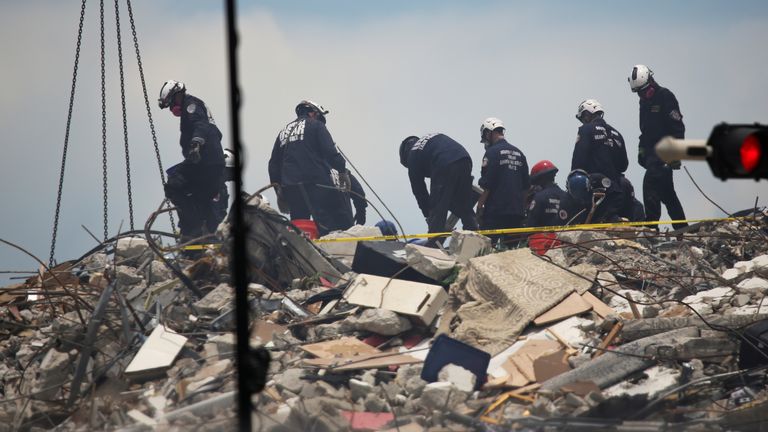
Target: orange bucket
(540, 243)
(307, 226)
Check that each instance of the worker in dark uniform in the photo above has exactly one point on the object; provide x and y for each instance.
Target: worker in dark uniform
(547, 205)
(633, 209)
(301, 162)
(659, 117)
(504, 178)
(600, 149)
(194, 183)
(449, 167)
(593, 198)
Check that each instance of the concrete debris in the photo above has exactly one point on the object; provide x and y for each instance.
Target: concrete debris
(468, 244)
(215, 301)
(345, 251)
(619, 337)
(461, 378)
(430, 262)
(380, 321)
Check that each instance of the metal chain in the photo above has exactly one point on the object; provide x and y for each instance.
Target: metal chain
(103, 124)
(146, 103)
(66, 136)
(125, 115)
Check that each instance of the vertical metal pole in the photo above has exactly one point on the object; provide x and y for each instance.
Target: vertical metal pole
(244, 372)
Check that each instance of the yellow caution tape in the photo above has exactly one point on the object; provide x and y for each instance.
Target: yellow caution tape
(201, 246)
(524, 230)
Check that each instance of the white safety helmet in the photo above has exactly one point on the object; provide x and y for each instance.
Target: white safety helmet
(490, 124)
(168, 91)
(640, 78)
(591, 106)
(308, 105)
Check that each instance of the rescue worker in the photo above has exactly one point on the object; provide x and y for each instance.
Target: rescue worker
(633, 209)
(659, 117)
(301, 162)
(593, 198)
(599, 147)
(194, 183)
(548, 204)
(449, 167)
(504, 178)
(357, 199)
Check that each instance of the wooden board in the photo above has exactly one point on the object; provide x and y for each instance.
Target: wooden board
(570, 306)
(363, 362)
(600, 308)
(341, 348)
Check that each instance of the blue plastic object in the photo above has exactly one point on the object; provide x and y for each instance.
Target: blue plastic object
(446, 350)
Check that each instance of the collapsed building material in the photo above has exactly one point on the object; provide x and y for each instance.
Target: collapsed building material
(386, 259)
(637, 329)
(418, 300)
(613, 366)
(572, 305)
(344, 251)
(468, 244)
(501, 293)
(445, 351)
(431, 262)
(278, 250)
(156, 354)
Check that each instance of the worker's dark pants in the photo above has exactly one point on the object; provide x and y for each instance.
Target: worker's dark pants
(325, 206)
(192, 188)
(658, 187)
(451, 189)
(491, 222)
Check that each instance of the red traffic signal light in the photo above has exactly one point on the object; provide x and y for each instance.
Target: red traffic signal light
(739, 151)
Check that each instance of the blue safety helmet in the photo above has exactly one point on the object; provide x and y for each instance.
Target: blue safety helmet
(386, 227)
(578, 185)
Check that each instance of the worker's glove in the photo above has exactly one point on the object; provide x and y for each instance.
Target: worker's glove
(345, 183)
(675, 165)
(360, 217)
(641, 156)
(194, 149)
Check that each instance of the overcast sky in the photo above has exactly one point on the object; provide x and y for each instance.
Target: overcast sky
(384, 69)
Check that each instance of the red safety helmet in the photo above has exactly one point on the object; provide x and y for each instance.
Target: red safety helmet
(541, 168)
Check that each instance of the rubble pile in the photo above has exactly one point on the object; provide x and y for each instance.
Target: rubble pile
(615, 329)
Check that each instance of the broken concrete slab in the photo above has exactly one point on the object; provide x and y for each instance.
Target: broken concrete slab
(418, 300)
(501, 293)
(753, 285)
(54, 370)
(379, 321)
(441, 396)
(430, 262)
(157, 353)
(344, 251)
(637, 329)
(215, 301)
(612, 367)
(468, 244)
(132, 249)
(461, 378)
(660, 379)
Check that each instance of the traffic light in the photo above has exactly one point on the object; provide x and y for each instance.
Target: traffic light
(739, 151)
(732, 150)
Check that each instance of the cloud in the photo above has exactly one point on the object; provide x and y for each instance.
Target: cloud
(383, 77)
